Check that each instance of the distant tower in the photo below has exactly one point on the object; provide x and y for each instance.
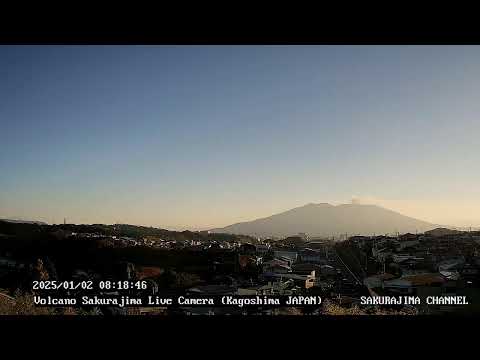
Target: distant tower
(64, 221)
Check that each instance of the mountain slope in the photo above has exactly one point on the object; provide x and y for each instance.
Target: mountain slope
(19, 221)
(327, 220)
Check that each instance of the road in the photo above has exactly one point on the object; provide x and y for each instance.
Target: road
(345, 269)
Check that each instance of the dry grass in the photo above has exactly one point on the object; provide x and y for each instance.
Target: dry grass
(23, 305)
(330, 308)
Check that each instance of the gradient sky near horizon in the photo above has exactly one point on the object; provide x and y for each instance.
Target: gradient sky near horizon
(205, 136)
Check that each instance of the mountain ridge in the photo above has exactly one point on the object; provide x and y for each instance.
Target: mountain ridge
(21, 221)
(324, 219)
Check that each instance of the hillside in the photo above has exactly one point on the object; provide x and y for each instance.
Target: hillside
(20, 221)
(438, 232)
(327, 220)
(32, 231)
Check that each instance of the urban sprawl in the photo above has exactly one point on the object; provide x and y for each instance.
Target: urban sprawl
(351, 275)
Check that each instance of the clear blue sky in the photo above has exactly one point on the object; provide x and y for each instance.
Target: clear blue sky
(200, 136)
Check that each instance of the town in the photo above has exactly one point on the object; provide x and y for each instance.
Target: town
(341, 272)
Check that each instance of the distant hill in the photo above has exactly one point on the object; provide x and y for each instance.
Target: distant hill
(442, 232)
(37, 229)
(18, 221)
(327, 220)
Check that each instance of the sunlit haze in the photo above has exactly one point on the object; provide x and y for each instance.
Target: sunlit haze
(205, 136)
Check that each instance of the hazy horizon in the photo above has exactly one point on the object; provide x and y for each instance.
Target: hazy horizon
(201, 137)
(355, 200)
